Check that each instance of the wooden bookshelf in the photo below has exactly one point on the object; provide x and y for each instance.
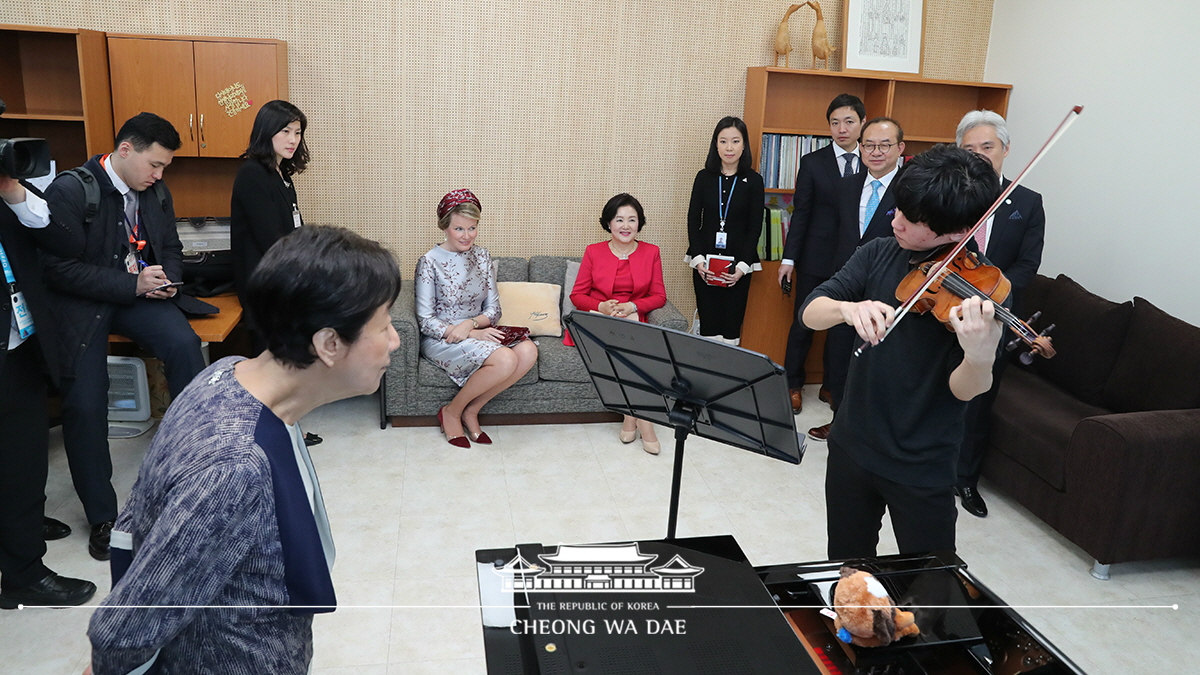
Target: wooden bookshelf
(55, 84)
(786, 101)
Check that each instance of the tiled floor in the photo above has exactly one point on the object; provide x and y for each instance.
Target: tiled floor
(408, 511)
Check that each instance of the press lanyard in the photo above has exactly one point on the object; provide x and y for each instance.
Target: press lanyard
(132, 228)
(8, 274)
(21, 317)
(722, 205)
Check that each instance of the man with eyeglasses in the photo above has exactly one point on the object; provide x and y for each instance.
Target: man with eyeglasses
(866, 207)
(1012, 240)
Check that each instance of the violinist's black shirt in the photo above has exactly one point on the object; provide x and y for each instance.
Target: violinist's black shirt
(898, 417)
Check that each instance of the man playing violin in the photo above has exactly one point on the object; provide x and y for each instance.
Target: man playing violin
(894, 442)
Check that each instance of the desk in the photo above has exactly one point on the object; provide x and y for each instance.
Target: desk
(210, 327)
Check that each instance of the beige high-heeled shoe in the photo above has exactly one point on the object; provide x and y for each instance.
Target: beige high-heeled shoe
(652, 447)
(628, 436)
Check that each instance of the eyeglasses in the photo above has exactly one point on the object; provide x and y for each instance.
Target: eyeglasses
(870, 148)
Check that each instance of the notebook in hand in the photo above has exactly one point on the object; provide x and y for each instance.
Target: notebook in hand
(718, 265)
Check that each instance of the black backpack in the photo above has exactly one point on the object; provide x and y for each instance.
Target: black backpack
(91, 191)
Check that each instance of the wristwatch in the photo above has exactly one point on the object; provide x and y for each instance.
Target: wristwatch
(474, 323)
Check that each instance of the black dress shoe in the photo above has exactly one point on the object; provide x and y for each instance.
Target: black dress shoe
(972, 501)
(51, 591)
(824, 395)
(98, 542)
(311, 439)
(54, 529)
(797, 401)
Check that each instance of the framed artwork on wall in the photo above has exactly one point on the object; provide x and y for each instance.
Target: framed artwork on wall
(884, 35)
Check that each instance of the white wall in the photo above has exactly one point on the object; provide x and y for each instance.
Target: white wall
(1120, 188)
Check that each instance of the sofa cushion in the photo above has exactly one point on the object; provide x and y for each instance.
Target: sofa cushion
(1033, 298)
(560, 363)
(1159, 364)
(549, 269)
(1088, 334)
(511, 269)
(532, 305)
(1032, 423)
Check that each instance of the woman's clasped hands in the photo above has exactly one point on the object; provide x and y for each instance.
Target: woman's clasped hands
(465, 329)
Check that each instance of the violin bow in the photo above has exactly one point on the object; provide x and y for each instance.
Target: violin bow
(936, 272)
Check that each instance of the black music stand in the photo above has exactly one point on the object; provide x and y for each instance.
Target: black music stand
(693, 384)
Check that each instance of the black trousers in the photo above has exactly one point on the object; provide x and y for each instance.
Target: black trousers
(979, 426)
(24, 436)
(800, 337)
(721, 308)
(160, 328)
(922, 517)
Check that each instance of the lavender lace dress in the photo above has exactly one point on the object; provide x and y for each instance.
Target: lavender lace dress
(452, 287)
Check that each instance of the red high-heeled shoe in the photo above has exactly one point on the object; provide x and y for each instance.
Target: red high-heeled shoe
(457, 441)
(481, 438)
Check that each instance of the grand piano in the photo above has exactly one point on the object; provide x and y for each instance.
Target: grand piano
(696, 606)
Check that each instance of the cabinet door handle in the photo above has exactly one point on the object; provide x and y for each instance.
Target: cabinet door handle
(201, 127)
(191, 119)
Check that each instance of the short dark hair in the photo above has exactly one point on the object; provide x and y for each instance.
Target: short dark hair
(145, 129)
(847, 101)
(713, 163)
(272, 118)
(317, 277)
(881, 120)
(946, 188)
(610, 210)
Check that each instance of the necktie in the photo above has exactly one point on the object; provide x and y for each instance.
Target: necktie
(131, 206)
(981, 236)
(872, 204)
(849, 170)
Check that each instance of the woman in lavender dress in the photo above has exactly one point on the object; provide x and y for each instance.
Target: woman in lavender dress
(458, 308)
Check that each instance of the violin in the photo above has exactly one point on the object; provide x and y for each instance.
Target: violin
(966, 276)
(1038, 343)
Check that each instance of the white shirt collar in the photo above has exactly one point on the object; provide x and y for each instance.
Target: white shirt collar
(112, 175)
(886, 180)
(838, 151)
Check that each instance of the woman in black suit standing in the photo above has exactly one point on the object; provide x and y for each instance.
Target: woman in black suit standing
(264, 207)
(725, 218)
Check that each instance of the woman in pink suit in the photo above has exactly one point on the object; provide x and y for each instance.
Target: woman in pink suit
(623, 277)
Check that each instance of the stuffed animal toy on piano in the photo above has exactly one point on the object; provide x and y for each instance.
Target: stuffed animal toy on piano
(865, 614)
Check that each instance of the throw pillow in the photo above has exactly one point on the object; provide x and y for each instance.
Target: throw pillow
(532, 305)
(1088, 334)
(568, 286)
(1158, 364)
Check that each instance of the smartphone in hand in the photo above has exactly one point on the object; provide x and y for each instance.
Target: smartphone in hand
(160, 288)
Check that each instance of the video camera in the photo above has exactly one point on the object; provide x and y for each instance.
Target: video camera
(23, 157)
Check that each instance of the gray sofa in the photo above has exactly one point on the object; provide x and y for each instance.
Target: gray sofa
(415, 388)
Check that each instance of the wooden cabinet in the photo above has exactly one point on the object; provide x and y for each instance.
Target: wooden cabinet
(209, 88)
(785, 101)
(55, 84)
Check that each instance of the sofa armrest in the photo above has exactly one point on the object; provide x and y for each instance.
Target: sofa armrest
(1132, 479)
(402, 371)
(668, 316)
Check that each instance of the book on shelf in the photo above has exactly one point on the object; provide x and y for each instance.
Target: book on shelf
(776, 220)
(780, 157)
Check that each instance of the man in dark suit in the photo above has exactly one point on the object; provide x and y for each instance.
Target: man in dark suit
(117, 283)
(1011, 240)
(866, 206)
(27, 356)
(813, 233)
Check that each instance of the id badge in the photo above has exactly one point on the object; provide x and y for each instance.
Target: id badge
(721, 238)
(22, 315)
(131, 263)
(296, 222)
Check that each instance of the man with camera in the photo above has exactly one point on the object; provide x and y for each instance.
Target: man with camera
(122, 281)
(27, 357)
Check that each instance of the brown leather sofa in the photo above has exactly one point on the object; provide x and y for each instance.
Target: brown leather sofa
(1102, 442)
